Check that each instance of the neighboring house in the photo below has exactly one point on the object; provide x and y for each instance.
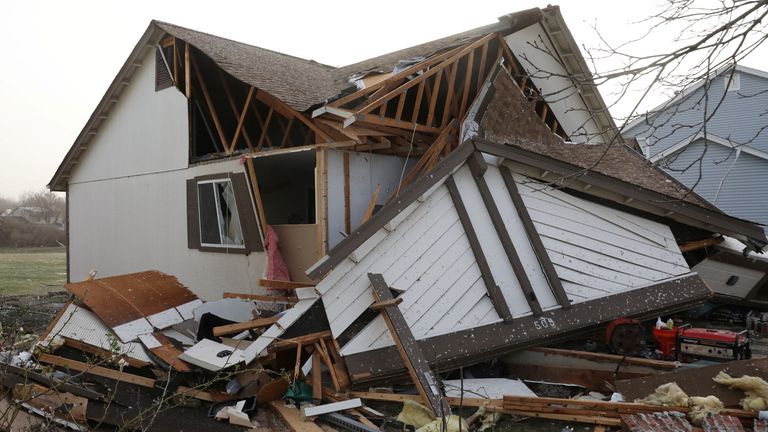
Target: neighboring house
(203, 149)
(726, 162)
(35, 215)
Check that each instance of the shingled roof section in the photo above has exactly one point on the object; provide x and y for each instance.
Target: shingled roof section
(506, 116)
(298, 82)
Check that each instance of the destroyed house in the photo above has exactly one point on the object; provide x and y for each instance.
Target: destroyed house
(201, 142)
(435, 207)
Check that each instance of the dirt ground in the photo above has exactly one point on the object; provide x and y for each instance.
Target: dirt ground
(30, 312)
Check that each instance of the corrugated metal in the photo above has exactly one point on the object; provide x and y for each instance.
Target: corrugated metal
(424, 252)
(83, 325)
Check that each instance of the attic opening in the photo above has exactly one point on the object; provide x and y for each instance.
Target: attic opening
(227, 116)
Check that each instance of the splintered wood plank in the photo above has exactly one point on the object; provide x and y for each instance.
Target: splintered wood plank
(317, 376)
(494, 292)
(243, 326)
(209, 102)
(283, 285)
(97, 370)
(371, 205)
(262, 298)
(409, 350)
(292, 418)
(168, 353)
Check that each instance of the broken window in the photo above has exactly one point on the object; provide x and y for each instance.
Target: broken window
(219, 221)
(220, 214)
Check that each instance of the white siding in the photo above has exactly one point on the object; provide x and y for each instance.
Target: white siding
(597, 251)
(145, 132)
(139, 223)
(127, 197)
(531, 47)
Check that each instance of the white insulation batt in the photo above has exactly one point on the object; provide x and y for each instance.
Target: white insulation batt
(424, 253)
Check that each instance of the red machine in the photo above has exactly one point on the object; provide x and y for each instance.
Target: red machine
(714, 344)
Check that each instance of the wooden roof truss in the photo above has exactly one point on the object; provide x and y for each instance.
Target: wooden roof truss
(239, 117)
(425, 97)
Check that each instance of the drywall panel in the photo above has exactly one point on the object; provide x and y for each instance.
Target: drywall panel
(145, 132)
(136, 223)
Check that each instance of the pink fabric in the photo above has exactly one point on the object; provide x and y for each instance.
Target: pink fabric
(276, 268)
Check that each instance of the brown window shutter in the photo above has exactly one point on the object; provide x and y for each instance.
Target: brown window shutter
(163, 78)
(247, 214)
(193, 223)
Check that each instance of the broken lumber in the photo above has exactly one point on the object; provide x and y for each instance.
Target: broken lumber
(313, 411)
(241, 327)
(292, 418)
(283, 285)
(386, 303)
(409, 350)
(97, 370)
(262, 298)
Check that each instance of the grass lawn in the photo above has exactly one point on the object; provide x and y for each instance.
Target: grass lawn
(32, 270)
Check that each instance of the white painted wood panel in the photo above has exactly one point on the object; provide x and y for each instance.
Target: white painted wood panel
(517, 233)
(489, 240)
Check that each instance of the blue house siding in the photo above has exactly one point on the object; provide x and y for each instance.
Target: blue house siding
(741, 180)
(743, 193)
(738, 118)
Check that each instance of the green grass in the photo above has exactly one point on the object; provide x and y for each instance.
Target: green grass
(32, 270)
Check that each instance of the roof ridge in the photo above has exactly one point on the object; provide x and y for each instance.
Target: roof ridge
(162, 23)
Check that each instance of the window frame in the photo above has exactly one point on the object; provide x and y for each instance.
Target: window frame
(217, 201)
(252, 238)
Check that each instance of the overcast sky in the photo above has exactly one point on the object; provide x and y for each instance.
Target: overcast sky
(58, 57)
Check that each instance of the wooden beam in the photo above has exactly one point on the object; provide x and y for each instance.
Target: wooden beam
(449, 94)
(243, 326)
(317, 376)
(262, 298)
(533, 236)
(494, 292)
(209, 102)
(700, 244)
(101, 352)
(187, 72)
(347, 209)
(371, 205)
(322, 349)
(97, 370)
(433, 99)
(264, 127)
(386, 303)
(467, 84)
(287, 132)
(240, 122)
(257, 196)
(283, 285)
(385, 121)
(292, 418)
(481, 67)
(289, 112)
(418, 368)
(478, 167)
(303, 340)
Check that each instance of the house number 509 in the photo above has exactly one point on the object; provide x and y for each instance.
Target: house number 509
(543, 323)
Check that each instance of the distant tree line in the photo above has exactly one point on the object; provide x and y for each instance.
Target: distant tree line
(16, 231)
